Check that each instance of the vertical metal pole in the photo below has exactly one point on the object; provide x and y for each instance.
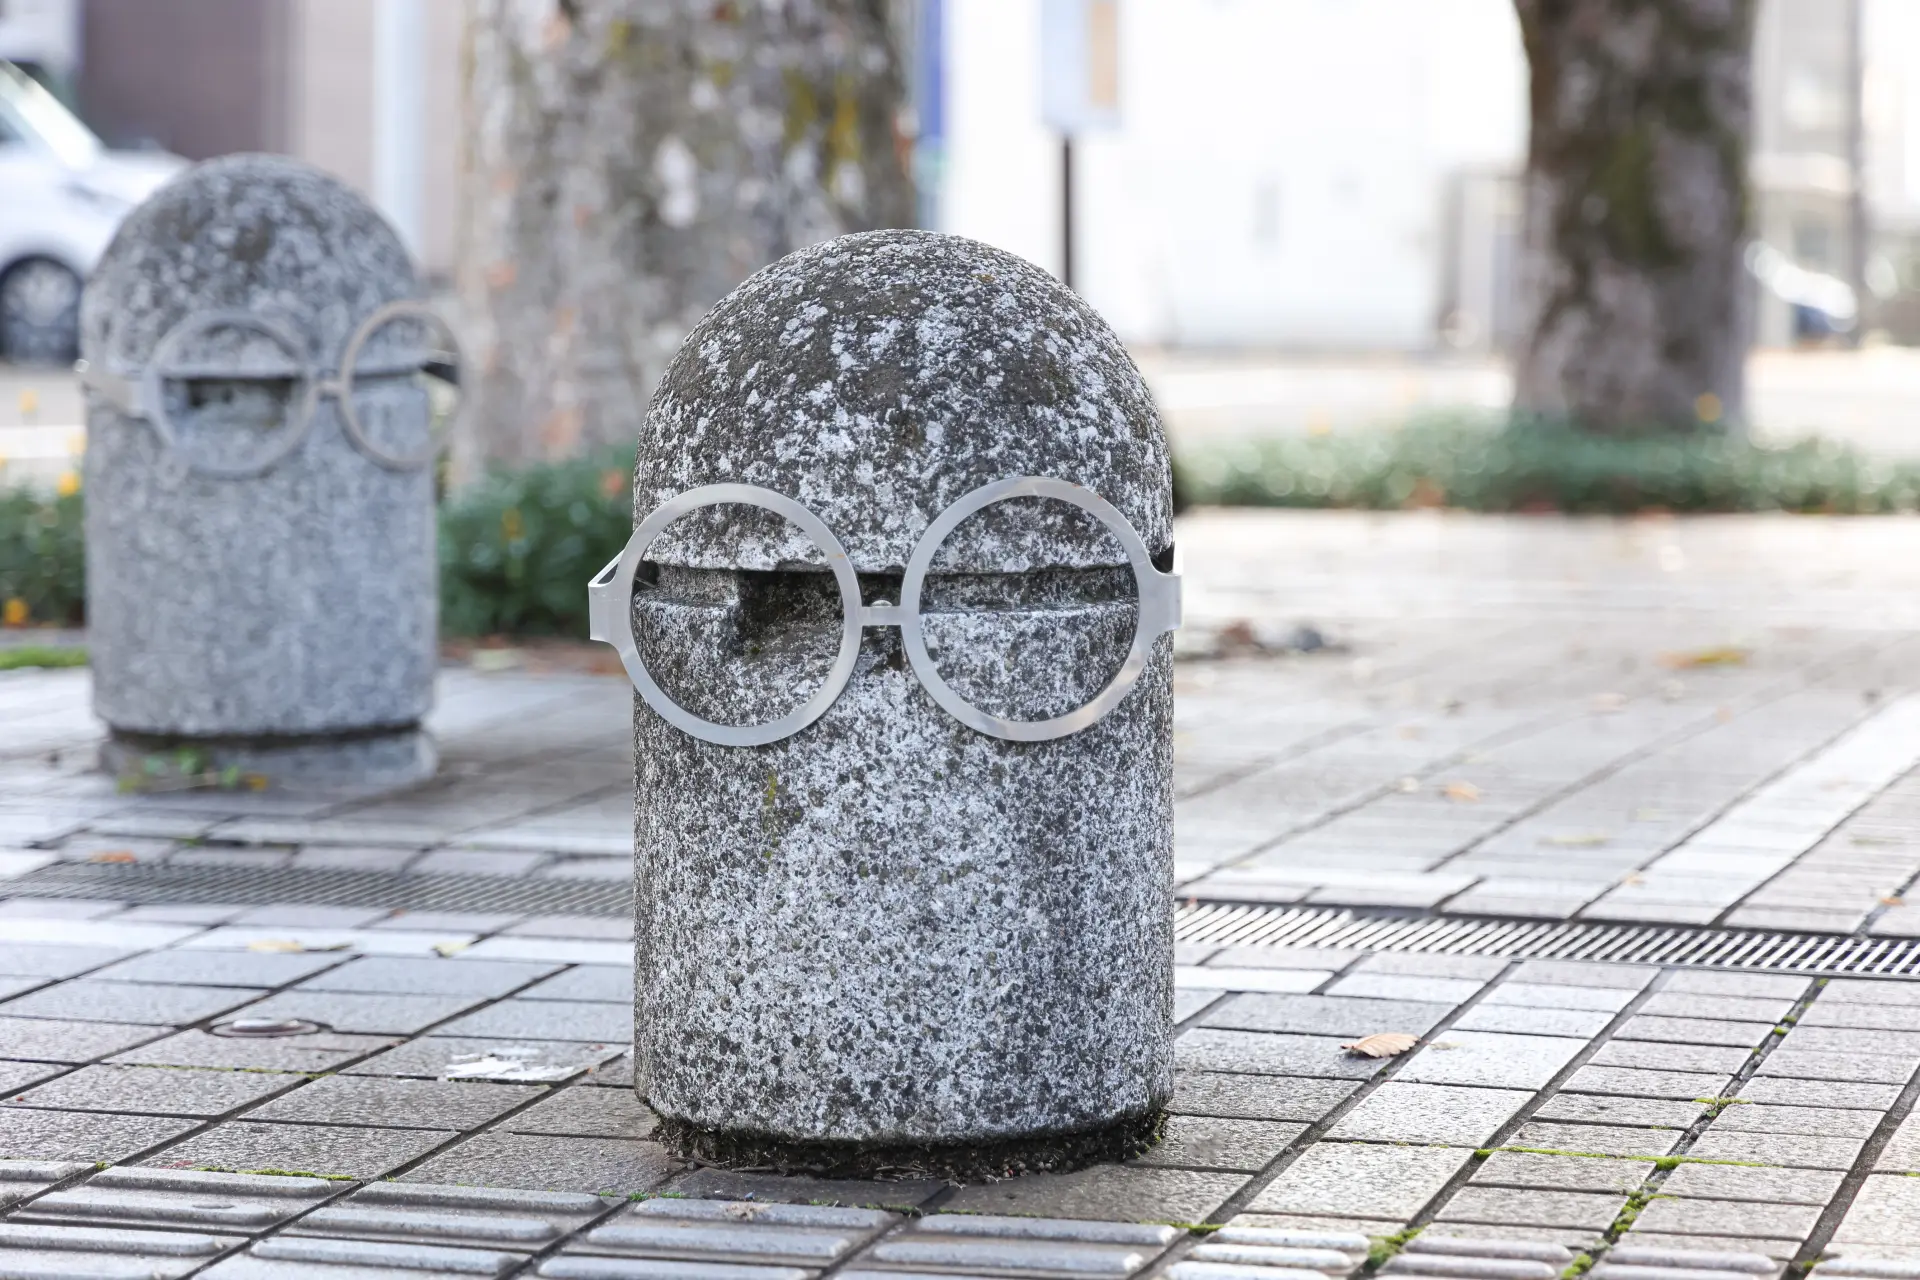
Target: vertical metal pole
(399, 101)
(1066, 210)
(1859, 228)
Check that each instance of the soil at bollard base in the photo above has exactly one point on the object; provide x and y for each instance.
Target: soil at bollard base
(747, 1152)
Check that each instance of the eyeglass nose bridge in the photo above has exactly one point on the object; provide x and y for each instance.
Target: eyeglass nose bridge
(610, 612)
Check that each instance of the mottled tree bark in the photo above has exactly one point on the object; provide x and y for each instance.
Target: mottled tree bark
(627, 162)
(1637, 212)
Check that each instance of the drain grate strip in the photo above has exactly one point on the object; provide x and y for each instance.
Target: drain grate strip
(323, 886)
(1626, 943)
(1228, 924)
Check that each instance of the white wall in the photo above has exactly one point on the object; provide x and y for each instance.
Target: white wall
(1278, 179)
(44, 31)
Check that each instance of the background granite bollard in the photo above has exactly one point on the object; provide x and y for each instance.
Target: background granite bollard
(282, 622)
(891, 943)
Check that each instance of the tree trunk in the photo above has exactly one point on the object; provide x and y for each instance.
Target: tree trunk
(1637, 212)
(626, 163)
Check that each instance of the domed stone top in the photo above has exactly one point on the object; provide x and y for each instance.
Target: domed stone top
(254, 233)
(877, 378)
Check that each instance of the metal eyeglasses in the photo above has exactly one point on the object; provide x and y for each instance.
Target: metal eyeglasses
(141, 393)
(610, 612)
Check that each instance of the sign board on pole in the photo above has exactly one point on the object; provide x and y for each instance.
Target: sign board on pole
(1080, 65)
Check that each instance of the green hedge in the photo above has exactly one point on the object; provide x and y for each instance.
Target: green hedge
(43, 563)
(1490, 465)
(517, 549)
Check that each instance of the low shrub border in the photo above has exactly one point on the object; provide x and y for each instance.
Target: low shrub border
(1480, 464)
(517, 549)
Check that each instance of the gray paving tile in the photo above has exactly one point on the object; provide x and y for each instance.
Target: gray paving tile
(361, 1013)
(976, 1242)
(1361, 1180)
(157, 1091)
(1882, 1214)
(308, 916)
(321, 1051)
(615, 1166)
(1868, 991)
(1823, 1122)
(1124, 1193)
(245, 1146)
(1844, 1013)
(1741, 1182)
(586, 1111)
(220, 969)
(1594, 1139)
(136, 1196)
(447, 921)
(548, 1020)
(1422, 964)
(1208, 1142)
(1633, 1082)
(1325, 1015)
(1248, 1097)
(414, 976)
(51, 1040)
(1778, 1250)
(1281, 958)
(1399, 1111)
(1747, 1035)
(1187, 1001)
(76, 1135)
(1707, 982)
(1260, 1053)
(1676, 1215)
(1798, 1151)
(1520, 1020)
(1506, 1206)
(1820, 1039)
(598, 982)
(610, 928)
(723, 1184)
(22, 1178)
(394, 1103)
(1682, 1004)
(471, 1216)
(1860, 1068)
(1598, 1108)
(1818, 1093)
(85, 1000)
(1561, 1173)
(72, 1253)
(1554, 995)
(1660, 1055)
(1902, 1152)
(287, 1257)
(1491, 1059)
(1392, 986)
(1582, 973)
(531, 1061)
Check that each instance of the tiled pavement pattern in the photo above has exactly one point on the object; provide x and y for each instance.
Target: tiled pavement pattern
(1494, 734)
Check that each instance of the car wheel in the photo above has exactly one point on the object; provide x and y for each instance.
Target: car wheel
(39, 313)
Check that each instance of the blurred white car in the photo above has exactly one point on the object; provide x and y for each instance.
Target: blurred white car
(62, 194)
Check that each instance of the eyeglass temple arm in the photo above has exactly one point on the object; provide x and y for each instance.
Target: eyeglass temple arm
(607, 612)
(125, 394)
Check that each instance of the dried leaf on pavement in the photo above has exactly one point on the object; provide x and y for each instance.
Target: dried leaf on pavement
(1579, 839)
(1461, 792)
(1383, 1044)
(113, 855)
(1716, 655)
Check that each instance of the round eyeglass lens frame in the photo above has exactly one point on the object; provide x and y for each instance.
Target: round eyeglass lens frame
(610, 607)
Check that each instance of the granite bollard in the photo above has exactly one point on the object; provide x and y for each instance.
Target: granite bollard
(897, 610)
(261, 578)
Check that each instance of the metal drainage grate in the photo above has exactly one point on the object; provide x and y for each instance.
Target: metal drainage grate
(323, 886)
(1812, 953)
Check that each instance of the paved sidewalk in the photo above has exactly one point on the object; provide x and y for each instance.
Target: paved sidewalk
(1567, 737)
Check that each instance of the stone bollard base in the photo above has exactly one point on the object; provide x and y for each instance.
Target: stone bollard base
(360, 761)
(955, 1162)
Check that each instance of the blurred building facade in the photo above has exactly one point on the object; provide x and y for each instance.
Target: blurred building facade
(1286, 173)
(207, 77)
